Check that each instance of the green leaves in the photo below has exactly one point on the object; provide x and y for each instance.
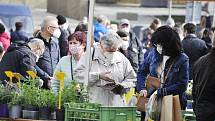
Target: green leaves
(5, 94)
(74, 93)
(46, 98)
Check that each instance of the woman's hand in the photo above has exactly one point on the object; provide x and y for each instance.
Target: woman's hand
(143, 93)
(104, 76)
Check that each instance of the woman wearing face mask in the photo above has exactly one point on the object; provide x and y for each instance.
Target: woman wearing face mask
(108, 67)
(77, 45)
(125, 43)
(166, 67)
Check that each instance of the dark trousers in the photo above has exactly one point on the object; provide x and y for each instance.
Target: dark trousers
(205, 112)
(143, 115)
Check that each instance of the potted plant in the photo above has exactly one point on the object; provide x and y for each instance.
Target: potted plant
(16, 105)
(73, 93)
(46, 104)
(5, 98)
(30, 99)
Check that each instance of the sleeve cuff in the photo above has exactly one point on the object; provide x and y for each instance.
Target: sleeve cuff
(161, 92)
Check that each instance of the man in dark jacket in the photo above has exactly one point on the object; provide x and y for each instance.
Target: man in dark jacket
(46, 64)
(135, 49)
(21, 57)
(63, 39)
(193, 47)
(19, 34)
(203, 87)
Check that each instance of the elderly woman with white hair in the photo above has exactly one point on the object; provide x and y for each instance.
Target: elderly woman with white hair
(110, 73)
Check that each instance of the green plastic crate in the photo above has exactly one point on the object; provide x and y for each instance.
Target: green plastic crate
(188, 116)
(102, 113)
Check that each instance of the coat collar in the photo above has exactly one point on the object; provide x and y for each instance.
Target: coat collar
(191, 36)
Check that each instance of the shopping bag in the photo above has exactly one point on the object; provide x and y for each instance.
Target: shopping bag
(171, 108)
(141, 104)
(167, 108)
(153, 110)
(177, 116)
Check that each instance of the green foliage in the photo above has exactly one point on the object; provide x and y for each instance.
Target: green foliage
(16, 99)
(46, 98)
(34, 96)
(30, 95)
(74, 93)
(5, 94)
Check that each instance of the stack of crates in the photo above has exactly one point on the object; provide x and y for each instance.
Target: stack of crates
(102, 113)
(188, 116)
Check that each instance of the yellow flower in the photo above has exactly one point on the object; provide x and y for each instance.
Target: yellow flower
(9, 74)
(32, 74)
(60, 76)
(18, 76)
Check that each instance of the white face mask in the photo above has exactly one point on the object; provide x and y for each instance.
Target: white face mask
(126, 29)
(56, 33)
(74, 49)
(65, 26)
(159, 49)
(125, 45)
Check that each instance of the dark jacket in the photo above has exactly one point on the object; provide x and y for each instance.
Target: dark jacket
(203, 87)
(19, 58)
(47, 63)
(19, 36)
(208, 42)
(194, 49)
(177, 80)
(135, 52)
(63, 42)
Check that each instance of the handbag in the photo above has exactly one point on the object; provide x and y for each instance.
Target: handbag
(153, 110)
(112, 87)
(141, 103)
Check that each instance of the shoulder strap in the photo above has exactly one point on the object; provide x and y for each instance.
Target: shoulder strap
(93, 53)
(71, 68)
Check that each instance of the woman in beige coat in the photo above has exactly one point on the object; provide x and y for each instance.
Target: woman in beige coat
(108, 65)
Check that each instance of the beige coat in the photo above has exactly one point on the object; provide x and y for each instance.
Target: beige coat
(121, 71)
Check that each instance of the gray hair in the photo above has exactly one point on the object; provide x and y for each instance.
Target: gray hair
(36, 43)
(111, 40)
(47, 20)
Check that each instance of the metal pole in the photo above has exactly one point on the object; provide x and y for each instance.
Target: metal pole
(214, 16)
(170, 8)
(89, 35)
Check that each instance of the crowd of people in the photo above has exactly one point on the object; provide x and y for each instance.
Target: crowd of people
(163, 60)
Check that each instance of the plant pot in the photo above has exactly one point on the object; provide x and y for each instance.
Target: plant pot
(16, 111)
(53, 115)
(30, 112)
(4, 111)
(60, 114)
(31, 108)
(44, 113)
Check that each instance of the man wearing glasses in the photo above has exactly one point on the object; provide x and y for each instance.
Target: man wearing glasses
(47, 62)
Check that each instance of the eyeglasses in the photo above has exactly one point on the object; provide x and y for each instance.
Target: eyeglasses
(54, 27)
